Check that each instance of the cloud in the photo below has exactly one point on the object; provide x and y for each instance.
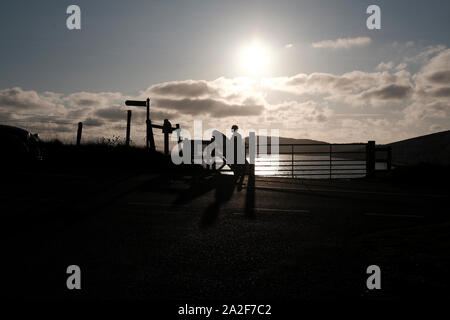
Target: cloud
(234, 90)
(436, 71)
(439, 77)
(211, 107)
(401, 66)
(93, 122)
(389, 92)
(376, 85)
(423, 56)
(289, 46)
(306, 112)
(419, 111)
(25, 100)
(345, 43)
(443, 92)
(80, 100)
(218, 98)
(188, 88)
(433, 79)
(385, 66)
(111, 114)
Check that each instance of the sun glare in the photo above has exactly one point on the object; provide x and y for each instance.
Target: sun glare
(254, 59)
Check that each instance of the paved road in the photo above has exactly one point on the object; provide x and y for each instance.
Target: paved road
(148, 236)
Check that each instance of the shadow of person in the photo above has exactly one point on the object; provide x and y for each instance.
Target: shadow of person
(225, 185)
(198, 186)
(250, 195)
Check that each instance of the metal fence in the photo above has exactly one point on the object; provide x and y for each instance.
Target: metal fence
(312, 160)
(319, 160)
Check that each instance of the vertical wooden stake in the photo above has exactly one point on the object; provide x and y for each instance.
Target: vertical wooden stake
(179, 141)
(150, 139)
(79, 132)
(292, 160)
(127, 139)
(330, 160)
(166, 144)
(370, 159)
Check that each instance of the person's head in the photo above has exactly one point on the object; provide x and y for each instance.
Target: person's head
(234, 128)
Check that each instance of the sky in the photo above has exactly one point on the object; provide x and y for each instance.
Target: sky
(311, 69)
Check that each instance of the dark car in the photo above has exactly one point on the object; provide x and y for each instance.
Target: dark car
(19, 144)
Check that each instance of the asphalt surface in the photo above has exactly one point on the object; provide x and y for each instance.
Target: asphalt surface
(148, 236)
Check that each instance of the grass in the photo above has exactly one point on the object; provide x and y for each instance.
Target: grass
(110, 154)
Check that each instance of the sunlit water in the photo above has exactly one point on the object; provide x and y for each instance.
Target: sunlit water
(312, 167)
(309, 166)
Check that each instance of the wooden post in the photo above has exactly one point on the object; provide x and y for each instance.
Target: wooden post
(292, 160)
(330, 159)
(127, 139)
(370, 159)
(79, 132)
(150, 139)
(192, 152)
(177, 127)
(235, 147)
(166, 144)
(389, 158)
(167, 129)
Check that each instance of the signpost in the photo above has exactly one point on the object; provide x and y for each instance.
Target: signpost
(150, 141)
(166, 127)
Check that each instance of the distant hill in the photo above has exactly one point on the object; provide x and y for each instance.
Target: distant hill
(283, 140)
(309, 145)
(431, 149)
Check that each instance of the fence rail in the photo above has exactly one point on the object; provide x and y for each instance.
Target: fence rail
(335, 160)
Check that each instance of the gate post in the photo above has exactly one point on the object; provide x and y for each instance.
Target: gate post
(331, 161)
(292, 160)
(192, 151)
(370, 159)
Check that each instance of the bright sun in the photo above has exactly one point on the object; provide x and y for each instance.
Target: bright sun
(254, 59)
